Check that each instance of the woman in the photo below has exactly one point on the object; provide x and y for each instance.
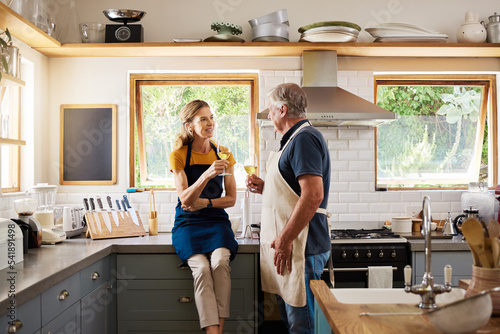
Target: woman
(202, 234)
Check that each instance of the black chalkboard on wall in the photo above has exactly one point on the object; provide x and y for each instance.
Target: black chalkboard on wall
(87, 152)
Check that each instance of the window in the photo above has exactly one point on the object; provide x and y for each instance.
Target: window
(157, 101)
(444, 135)
(10, 97)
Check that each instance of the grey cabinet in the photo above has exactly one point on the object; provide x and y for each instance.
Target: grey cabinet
(68, 322)
(155, 296)
(460, 261)
(27, 315)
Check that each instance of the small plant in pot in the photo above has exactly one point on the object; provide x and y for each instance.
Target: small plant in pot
(5, 39)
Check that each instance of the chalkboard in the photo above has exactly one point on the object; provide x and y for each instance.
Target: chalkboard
(87, 144)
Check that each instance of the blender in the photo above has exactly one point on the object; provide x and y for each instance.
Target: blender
(45, 196)
(25, 208)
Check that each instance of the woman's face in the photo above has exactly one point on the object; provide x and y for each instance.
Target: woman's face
(203, 123)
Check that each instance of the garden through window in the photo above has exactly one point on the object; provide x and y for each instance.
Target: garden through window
(440, 138)
(158, 101)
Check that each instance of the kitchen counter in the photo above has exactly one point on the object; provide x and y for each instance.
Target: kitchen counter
(346, 319)
(439, 245)
(45, 266)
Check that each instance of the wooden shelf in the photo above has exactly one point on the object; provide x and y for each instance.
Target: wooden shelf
(50, 47)
(271, 49)
(7, 141)
(9, 80)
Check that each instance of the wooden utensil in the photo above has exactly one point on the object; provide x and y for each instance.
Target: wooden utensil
(474, 235)
(494, 230)
(488, 247)
(152, 210)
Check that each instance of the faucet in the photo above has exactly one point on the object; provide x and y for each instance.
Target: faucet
(427, 289)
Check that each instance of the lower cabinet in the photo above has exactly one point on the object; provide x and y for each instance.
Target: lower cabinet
(98, 311)
(155, 296)
(24, 319)
(68, 322)
(460, 261)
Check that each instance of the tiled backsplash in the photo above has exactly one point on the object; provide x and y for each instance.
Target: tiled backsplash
(352, 196)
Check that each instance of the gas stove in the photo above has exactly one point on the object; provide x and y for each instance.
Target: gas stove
(364, 236)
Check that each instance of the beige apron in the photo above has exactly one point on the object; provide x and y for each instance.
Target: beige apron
(278, 202)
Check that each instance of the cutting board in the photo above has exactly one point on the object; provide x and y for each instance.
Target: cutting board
(418, 235)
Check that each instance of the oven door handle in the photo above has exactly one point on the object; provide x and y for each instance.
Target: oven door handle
(352, 269)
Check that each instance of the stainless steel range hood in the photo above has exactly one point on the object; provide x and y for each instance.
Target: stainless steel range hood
(330, 105)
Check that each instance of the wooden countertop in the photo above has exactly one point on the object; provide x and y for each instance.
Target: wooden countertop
(346, 318)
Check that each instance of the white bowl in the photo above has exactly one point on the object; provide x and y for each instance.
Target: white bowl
(235, 223)
(463, 316)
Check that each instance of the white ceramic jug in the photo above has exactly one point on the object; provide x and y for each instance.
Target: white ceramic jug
(471, 31)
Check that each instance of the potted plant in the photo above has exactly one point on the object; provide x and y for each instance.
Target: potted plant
(5, 39)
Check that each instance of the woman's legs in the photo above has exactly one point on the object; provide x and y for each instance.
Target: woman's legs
(212, 288)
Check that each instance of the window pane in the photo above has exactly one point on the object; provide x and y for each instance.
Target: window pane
(161, 105)
(437, 139)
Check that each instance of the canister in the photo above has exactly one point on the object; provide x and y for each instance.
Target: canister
(493, 29)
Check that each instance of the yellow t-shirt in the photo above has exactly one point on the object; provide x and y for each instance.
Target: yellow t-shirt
(177, 158)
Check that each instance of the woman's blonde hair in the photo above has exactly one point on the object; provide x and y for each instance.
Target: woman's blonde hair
(187, 114)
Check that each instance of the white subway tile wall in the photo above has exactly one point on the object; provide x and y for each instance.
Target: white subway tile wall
(352, 190)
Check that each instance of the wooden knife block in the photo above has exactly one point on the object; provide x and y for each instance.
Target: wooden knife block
(126, 227)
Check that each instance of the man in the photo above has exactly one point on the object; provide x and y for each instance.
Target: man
(295, 239)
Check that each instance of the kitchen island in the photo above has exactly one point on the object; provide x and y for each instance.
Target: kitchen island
(346, 318)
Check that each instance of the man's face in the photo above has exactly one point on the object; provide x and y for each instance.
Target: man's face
(275, 116)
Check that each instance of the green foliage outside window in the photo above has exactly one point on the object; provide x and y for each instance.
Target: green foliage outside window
(434, 137)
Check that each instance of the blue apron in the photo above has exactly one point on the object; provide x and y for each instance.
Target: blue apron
(205, 230)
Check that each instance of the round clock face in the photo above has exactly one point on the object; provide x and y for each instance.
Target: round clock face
(122, 33)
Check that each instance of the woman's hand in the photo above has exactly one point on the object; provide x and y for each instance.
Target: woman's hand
(217, 167)
(255, 184)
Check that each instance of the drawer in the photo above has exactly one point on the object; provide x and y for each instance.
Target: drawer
(94, 276)
(59, 297)
(150, 266)
(68, 322)
(180, 327)
(165, 266)
(28, 314)
(174, 300)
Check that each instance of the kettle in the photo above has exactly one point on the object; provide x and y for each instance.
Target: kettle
(493, 29)
(449, 227)
(468, 213)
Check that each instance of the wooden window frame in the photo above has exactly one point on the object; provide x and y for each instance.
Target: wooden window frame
(14, 94)
(485, 80)
(139, 79)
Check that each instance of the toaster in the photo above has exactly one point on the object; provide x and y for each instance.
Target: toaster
(73, 220)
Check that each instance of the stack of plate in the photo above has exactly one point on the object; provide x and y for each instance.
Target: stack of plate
(273, 27)
(330, 31)
(402, 32)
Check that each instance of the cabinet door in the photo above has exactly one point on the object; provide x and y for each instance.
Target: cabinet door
(68, 322)
(97, 311)
(29, 316)
(95, 275)
(460, 261)
(59, 297)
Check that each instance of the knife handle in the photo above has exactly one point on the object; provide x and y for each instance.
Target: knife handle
(109, 202)
(124, 206)
(86, 204)
(92, 204)
(118, 205)
(99, 202)
(126, 201)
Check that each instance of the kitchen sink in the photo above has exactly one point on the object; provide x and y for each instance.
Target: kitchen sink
(390, 296)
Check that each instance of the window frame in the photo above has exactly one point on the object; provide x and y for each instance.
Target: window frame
(137, 80)
(13, 93)
(489, 102)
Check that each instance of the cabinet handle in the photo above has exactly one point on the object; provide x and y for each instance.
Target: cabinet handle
(63, 295)
(15, 326)
(95, 275)
(185, 299)
(110, 287)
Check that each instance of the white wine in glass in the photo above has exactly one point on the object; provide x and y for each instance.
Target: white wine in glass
(223, 153)
(251, 164)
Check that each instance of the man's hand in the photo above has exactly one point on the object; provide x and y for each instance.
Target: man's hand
(255, 184)
(282, 255)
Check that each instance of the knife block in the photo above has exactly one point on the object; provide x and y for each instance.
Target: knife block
(125, 228)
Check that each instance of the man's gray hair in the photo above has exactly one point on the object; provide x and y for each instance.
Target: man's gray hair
(292, 96)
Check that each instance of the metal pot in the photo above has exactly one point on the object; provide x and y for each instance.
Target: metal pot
(493, 29)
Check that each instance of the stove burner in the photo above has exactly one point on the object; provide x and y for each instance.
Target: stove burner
(364, 234)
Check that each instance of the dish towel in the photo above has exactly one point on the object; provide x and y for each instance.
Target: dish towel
(380, 277)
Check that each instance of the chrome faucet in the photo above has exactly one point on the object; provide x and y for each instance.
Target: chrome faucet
(427, 290)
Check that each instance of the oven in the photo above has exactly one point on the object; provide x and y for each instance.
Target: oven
(353, 251)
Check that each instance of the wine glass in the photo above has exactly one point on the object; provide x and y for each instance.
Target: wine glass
(251, 164)
(223, 153)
